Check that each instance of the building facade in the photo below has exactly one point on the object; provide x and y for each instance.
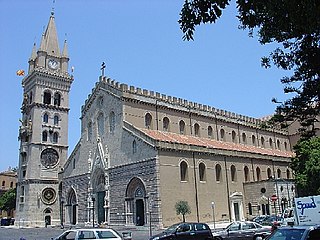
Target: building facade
(140, 152)
(8, 180)
(43, 133)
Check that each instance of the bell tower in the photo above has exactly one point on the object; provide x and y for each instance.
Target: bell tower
(43, 132)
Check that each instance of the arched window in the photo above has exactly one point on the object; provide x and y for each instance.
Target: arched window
(112, 122)
(278, 144)
(246, 174)
(210, 131)
(258, 171)
(253, 140)
(134, 146)
(233, 173)
(269, 173)
(44, 136)
(3, 183)
(270, 143)
(244, 138)
(222, 134)
(202, 172)
(262, 141)
(30, 97)
(196, 130)
(11, 184)
(218, 173)
(234, 137)
(286, 146)
(47, 97)
(182, 127)
(166, 124)
(148, 121)
(89, 137)
(279, 173)
(288, 174)
(56, 120)
(45, 118)
(57, 99)
(100, 121)
(55, 137)
(183, 171)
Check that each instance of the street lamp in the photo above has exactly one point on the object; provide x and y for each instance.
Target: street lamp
(150, 206)
(62, 202)
(213, 216)
(93, 199)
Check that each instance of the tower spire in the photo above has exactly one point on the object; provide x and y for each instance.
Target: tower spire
(65, 49)
(49, 41)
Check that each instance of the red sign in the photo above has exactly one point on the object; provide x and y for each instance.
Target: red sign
(274, 198)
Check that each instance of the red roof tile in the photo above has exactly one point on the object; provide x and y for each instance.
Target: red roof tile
(211, 143)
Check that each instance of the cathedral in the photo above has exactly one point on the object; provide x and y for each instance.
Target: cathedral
(139, 154)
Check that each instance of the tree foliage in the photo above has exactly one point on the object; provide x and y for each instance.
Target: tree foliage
(183, 208)
(8, 200)
(306, 165)
(295, 25)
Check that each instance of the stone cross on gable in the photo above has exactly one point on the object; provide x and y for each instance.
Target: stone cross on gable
(103, 66)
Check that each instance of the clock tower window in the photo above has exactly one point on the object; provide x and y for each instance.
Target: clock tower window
(57, 99)
(45, 118)
(44, 136)
(55, 137)
(47, 97)
(56, 120)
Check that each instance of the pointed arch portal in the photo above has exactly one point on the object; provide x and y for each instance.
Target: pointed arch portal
(136, 203)
(72, 207)
(99, 189)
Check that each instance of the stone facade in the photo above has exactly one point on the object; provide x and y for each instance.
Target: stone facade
(8, 180)
(142, 152)
(43, 133)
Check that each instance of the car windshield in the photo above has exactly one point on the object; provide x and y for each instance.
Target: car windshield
(287, 234)
(172, 228)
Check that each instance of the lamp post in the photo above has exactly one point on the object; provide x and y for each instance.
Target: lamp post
(62, 202)
(150, 206)
(93, 199)
(213, 216)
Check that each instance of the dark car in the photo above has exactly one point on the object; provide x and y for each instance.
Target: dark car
(271, 220)
(243, 230)
(296, 233)
(185, 231)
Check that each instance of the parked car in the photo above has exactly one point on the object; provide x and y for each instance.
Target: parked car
(244, 230)
(185, 231)
(259, 219)
(7, 221)
(299, 232)
(89, 234)
(271, 220)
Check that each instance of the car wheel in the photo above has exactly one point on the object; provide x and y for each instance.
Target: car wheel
(258, 238)
(217, 238)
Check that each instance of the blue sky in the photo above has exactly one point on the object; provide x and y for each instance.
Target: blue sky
(142, 45)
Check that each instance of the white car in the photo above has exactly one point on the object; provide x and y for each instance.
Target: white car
(90, 234)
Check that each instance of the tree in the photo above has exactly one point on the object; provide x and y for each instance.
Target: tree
(306, 165)
(8, 200)
(183, 208)
(295, 25)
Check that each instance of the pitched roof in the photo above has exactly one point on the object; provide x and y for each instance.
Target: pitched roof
(212, 143)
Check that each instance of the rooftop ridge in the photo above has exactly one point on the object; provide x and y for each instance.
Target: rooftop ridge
(224, 114)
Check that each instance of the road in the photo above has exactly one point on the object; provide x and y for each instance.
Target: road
(12, 233)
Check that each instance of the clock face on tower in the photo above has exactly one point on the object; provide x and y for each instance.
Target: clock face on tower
(53, 64)
(49, 158)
